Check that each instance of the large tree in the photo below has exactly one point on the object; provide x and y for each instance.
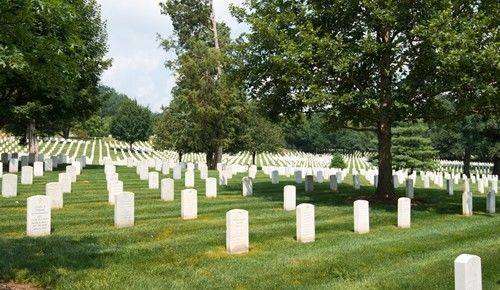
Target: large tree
(467, 40)
(259, 134)
(132, 123)
(472, 138)
(51, 58)
(173, 130)
(203, 90)
(366, 64)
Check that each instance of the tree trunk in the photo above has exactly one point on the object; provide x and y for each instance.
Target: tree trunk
(385, 188)
(218, 156)
(130, 147)
(253, 157)
(31, 136)
(496, 164)
(210, 160)
(65, 133)
(216, 37)
(467, 154)
(180, 155)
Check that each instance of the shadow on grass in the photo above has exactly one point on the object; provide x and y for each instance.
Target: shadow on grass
(43, 261)
(425, 199)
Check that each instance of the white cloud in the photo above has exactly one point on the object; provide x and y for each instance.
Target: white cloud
(138, 62)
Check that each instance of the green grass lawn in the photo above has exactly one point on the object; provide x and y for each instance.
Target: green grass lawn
(162, 251)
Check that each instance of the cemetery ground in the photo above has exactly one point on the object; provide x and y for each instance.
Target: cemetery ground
(85, 250)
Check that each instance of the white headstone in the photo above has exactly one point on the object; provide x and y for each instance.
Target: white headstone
(54, 191)
(167, 189)
(38, 216)
(426, 182)
(467, 203)
(38, 168)
(26, 175)
(48, 164)
(153, 178)
(449, 186)
(333, 183)
(203, 171)
(320, 177)
(237, 238)
(71, 172)
(124, 210)
(115, 188)
(409, 188)
(165, 169)
(305, 223)
(361, 217)
(189, 204)
(298, 176)
(289, 197)
(309, 183)
(65, 182)
(189, 178)
(356, 182)
(490, 201)
(13, 165)
(78, 167)
(143, 172)
(9, 185)
(275, 177)
(468, 272)
(404, 212)
(247, 186)
(177, 172)
(252, 171)
(395, 180)
(211, 187)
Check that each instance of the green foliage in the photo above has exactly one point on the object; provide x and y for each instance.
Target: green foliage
(308, 134)
(412, 147)
(206, 107)
(368, 64)
(472, 138)
(95, 126)
(337, 161)
(259, 134)
(314, 134)
(132, 123)
(51, 57)
(173, 131)
(112, 101)
(466, 37)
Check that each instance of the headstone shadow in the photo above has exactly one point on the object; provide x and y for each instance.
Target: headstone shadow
(43, 258)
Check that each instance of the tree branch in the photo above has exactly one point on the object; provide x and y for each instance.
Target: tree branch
(360, 129)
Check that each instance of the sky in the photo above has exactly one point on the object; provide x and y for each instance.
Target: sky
(138, 68)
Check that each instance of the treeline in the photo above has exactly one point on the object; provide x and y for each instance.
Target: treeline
(408, 82)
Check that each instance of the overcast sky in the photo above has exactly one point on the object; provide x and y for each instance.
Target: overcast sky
(138, 63)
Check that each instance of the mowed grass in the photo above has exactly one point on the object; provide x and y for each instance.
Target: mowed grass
(163, 251)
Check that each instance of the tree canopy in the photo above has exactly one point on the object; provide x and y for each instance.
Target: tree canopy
(132, 123)
(365, 64)
(51, 58)
(259, 134)
(203, 94)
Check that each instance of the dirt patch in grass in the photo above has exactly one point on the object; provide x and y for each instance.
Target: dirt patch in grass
(17, 286)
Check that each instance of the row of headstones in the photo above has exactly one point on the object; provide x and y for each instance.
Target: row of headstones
(12, 161)
(39, 207)
(319, 177)
(467, 200)
(467, 267)
(9, 181)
